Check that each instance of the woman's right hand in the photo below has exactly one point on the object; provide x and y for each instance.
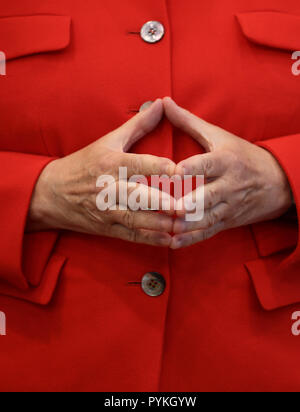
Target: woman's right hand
(65, 194)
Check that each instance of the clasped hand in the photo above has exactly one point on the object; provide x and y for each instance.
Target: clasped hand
(244, 184)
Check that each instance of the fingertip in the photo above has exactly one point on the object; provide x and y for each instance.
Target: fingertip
(167, 167)
(150, 107)
(168, 101)
(166, 224)
(181, 213)
(171, 212)
(181, 170)
(165, 240)
(176, 243)
(179, 226)
(158, 102)
(170, 168)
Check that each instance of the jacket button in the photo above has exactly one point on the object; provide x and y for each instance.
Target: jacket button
(152, 32)
(145, 106)
(153, 284)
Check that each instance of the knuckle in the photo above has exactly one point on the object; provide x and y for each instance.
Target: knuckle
(129, 219)
(208, 165)
(212, 196)
(212, 219)
(195, 237)
(194, 169)
(205, 235)
(133, 236)
(208, 234)
(158, 165)
(105, 229)
(109, 163)
(148, 237)
(135, 164)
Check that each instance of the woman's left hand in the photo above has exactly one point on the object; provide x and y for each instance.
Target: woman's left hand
(245, 182)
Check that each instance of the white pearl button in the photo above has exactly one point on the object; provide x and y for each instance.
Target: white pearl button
(152, 32)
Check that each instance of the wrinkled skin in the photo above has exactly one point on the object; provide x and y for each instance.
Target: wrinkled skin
(245, 184)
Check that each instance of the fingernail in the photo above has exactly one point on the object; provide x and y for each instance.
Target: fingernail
(146, 106)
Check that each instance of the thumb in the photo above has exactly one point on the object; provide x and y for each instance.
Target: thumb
(206, 134)
(139, 126)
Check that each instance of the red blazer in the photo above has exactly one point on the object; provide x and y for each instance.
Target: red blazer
(77, 317)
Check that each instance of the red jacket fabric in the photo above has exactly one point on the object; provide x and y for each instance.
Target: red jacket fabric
(77, 319)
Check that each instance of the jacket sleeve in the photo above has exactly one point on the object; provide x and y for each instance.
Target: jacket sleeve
(24, 258)
(276, 274)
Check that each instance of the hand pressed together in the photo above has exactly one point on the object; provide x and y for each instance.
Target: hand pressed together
(245, 184)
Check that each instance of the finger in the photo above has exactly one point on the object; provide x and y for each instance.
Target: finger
(140, 125)
(143, 220)
(142, 236)
(210, 165)
(143, 197)
(200, 130)
(125, 195)
(191, 238)
(212, 217)
(205, 197)
(147, 165)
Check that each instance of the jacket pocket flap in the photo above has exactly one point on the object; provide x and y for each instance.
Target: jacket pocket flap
(276, 282)
(272, 29)
(21, 36)
(43, 293)
(276, 236)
